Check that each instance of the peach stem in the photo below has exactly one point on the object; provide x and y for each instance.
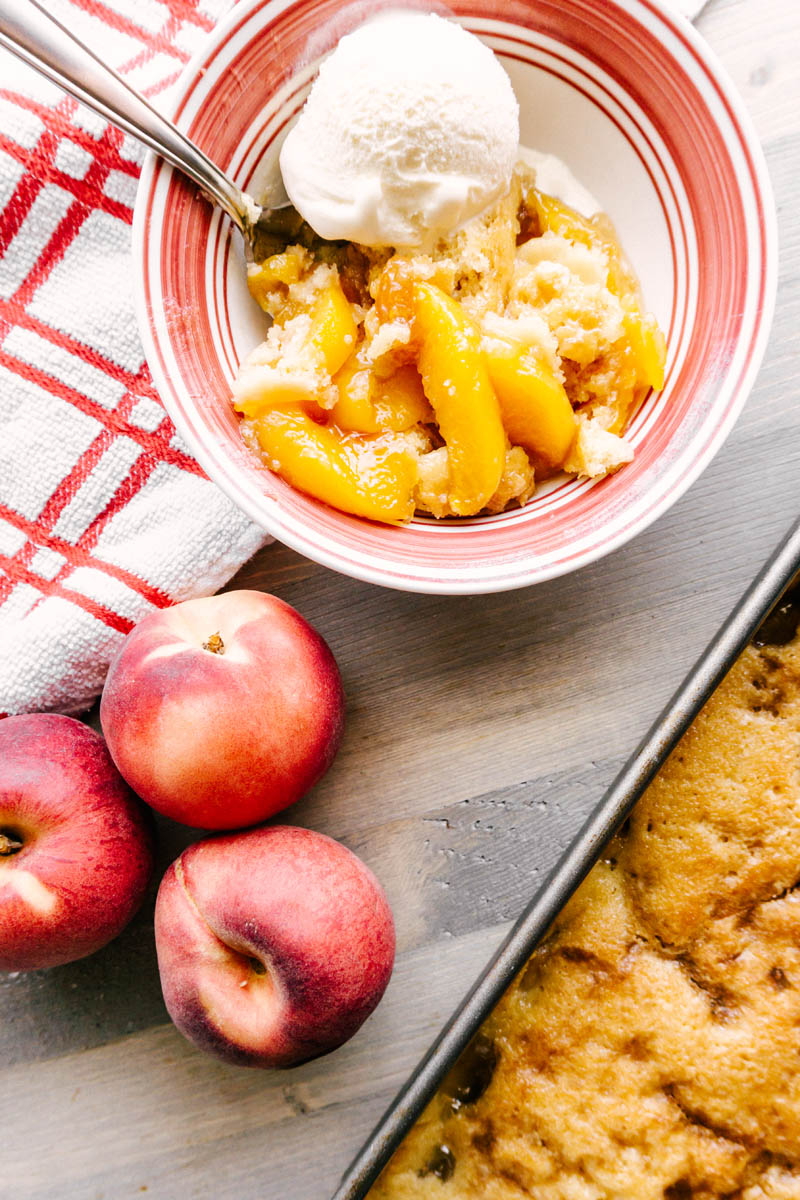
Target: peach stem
(215, 644)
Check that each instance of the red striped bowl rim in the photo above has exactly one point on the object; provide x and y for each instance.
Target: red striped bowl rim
(654, 77)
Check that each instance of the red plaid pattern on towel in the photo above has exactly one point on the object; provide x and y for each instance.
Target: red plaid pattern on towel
(103, 512)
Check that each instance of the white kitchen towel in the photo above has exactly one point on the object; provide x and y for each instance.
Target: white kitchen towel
(103, 512)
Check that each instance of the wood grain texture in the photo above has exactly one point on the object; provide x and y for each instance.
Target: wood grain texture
(480, 732)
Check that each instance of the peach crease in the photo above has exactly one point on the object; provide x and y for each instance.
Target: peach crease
(225, 970)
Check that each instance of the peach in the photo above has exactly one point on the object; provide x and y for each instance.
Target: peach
(75, 844)
(274, 945)
(222, 711)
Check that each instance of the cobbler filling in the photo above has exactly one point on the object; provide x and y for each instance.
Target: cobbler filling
(450, 383)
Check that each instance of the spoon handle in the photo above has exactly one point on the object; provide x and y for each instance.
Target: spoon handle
(28, 31)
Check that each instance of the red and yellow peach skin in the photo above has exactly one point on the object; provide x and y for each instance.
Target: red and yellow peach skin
(274, 945)
(222, 711)
(75, 845)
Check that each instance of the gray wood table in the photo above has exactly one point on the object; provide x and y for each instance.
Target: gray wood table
(480, 732)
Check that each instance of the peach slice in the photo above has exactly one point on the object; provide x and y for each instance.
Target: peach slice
(370, 405)
(333, 328)
(645, 338)
(536, 411)
(647, 345)
(596, 233)
(457, 384)
(264, 277)
(394, 292)
(331, 338)
(364, 475)
(557, 217)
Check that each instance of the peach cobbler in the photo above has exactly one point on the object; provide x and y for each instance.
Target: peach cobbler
(450, 382)
(650, 1049)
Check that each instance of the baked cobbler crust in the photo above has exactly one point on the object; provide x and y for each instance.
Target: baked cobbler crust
(651, 1048)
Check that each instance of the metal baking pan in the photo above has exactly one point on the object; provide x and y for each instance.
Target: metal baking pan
(759, 603)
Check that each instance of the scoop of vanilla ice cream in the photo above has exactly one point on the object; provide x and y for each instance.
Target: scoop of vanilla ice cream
(410, 129)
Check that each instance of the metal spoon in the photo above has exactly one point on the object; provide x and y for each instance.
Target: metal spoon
(28, 31)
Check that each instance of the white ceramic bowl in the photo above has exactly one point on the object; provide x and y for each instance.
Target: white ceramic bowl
(631, 97)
